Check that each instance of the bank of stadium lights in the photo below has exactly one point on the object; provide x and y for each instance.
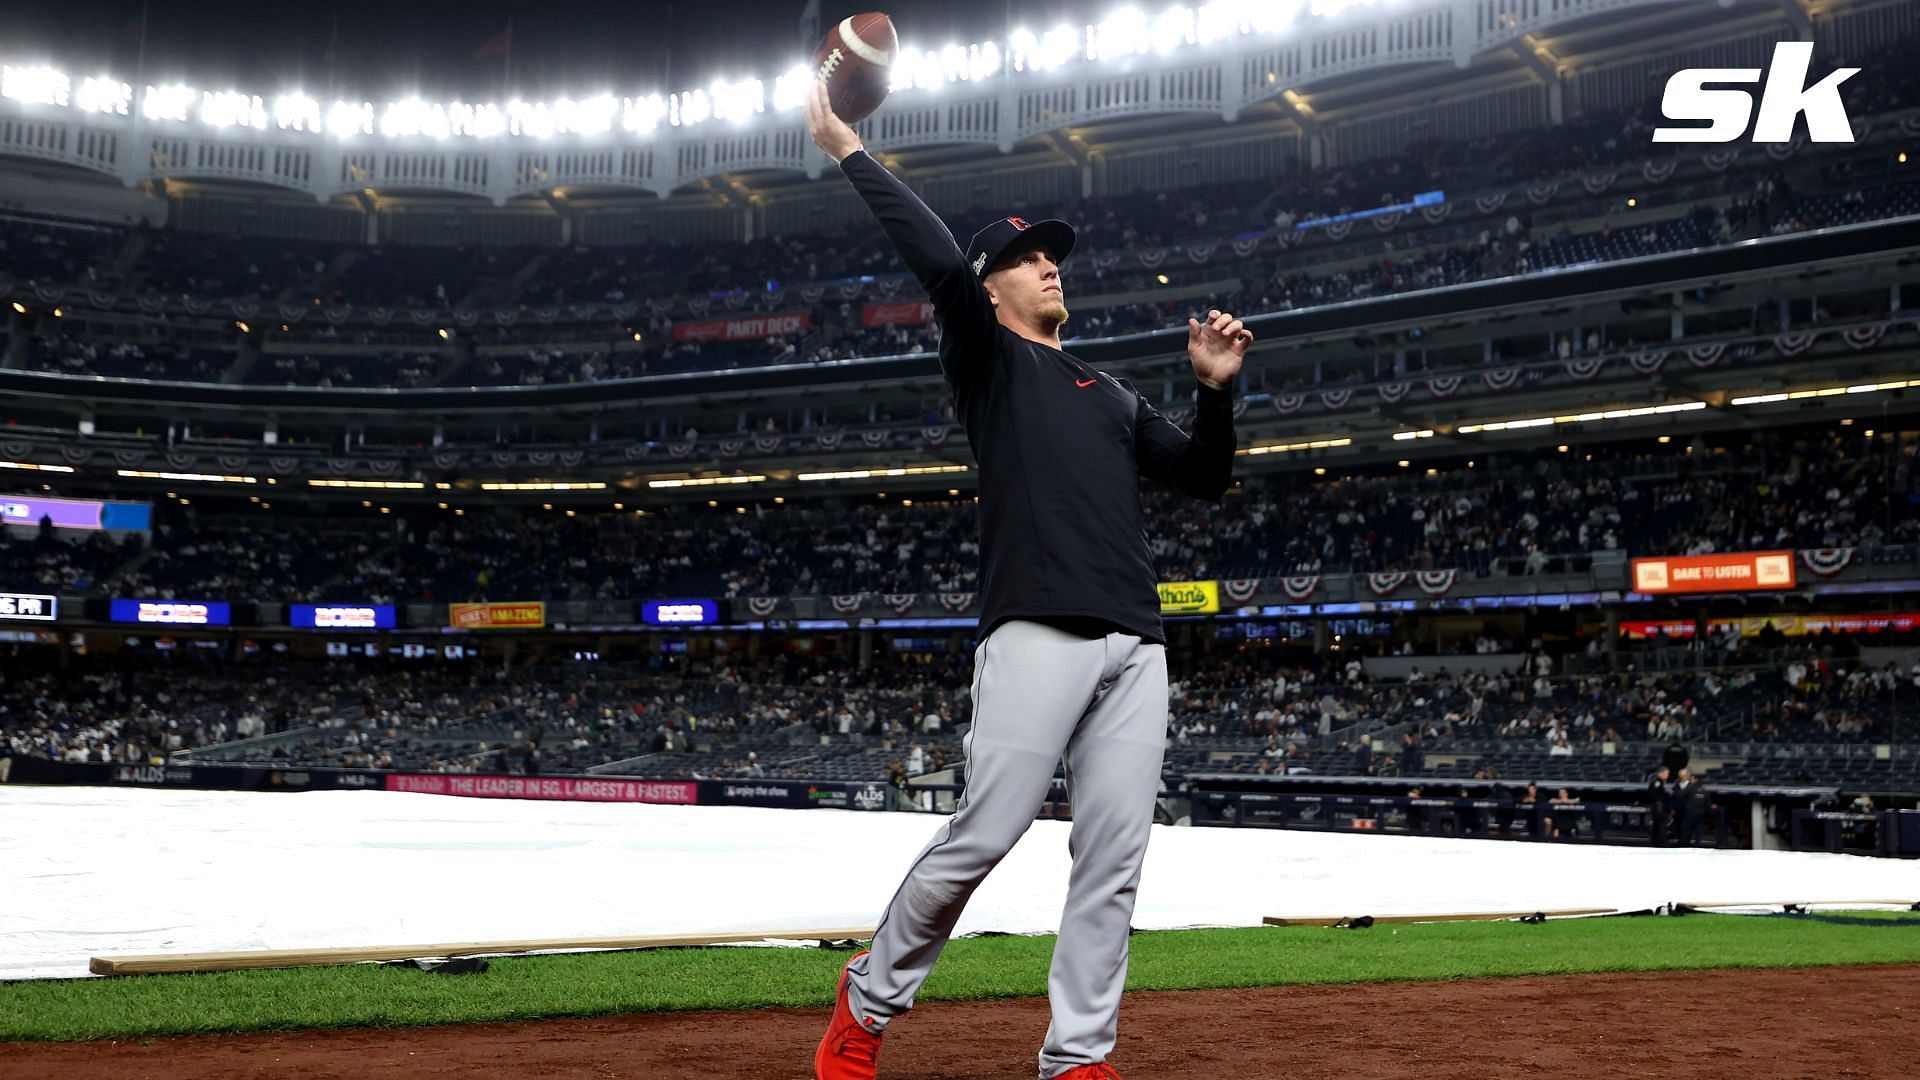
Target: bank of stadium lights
(707, 481)
(1825, 391)
(198, 478)
(870, 474)
(1124, 34)
(544, 485)
(1582, 418)
(1297, 447)
(28, 466)
(385, 485)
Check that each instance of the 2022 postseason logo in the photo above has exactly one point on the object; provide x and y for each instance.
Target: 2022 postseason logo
(1785, 96)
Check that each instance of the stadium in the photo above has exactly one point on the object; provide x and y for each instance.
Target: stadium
(557, 519)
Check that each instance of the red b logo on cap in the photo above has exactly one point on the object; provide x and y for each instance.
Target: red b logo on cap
(1018, 223)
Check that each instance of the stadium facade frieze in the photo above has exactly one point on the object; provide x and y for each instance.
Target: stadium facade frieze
(1220, 60)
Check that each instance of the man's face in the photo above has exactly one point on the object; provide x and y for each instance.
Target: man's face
(1026, 286)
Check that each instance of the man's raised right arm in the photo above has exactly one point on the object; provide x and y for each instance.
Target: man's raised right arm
(960, 302)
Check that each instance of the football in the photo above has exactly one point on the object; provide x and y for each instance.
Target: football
(856, 62)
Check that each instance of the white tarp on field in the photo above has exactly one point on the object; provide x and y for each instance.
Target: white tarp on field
(90, 871)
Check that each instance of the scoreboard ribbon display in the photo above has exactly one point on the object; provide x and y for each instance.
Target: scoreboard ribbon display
(28, 607)
(679, 612)
(1739, 571)
(497, 616)
(342, 616)
(1189, 597)
(173, 612)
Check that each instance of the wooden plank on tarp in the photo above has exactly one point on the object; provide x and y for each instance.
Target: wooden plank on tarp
(175, 963)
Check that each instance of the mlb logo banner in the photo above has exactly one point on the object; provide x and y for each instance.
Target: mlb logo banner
(1189, 598)
(1745, 571)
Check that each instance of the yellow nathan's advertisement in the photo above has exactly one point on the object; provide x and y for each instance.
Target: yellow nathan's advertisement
(485, 616)
(1189, 598)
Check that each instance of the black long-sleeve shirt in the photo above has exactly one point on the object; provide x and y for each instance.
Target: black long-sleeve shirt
(1061, 447)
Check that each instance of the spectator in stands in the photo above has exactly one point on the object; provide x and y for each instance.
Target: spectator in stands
(1659, 801)
(1694, 804)
(1676, 758)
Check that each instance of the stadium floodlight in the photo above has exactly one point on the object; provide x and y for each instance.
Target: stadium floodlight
(1124, 33)
(737, 100)
(640, 115)
(1173, 28)
(692, 107)
(296, 112)
(169, 102)
(38, 85)
(30, 466)
(790, 88)
(106, 95)
(1045, 52)
(346, 119)
(475, 121)
(231, 108)
(413, 116)
(587, 116)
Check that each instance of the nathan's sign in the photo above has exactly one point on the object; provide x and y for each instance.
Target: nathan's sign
(1189, 597)
(745, 328)
(904, 313)
(1739, 571)
(494, 616)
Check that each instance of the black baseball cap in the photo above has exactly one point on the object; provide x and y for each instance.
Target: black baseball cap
(1053, 236)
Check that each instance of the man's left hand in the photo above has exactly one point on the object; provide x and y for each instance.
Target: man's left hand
(1217, 347)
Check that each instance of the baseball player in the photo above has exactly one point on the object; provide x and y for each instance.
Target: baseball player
(1072, 658)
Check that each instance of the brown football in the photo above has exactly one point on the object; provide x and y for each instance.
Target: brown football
(856, 63)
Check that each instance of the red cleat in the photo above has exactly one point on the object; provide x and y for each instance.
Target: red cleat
(848, 1052)
(1097, 1071)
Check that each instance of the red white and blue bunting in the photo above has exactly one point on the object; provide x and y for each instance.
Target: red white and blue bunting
(1240, 590)
(1586, 369)
(901, 603)
(1300, 586)
(1387, 582)
(1864, 337)
(1705, 356)
(847, 603)
(1648, 361)
(1793, 344)
(1436, 582)
(1502, 379)
(956, 601)
(762, 606)
(1827, 562)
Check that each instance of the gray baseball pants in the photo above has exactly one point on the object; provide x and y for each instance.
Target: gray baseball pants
(1041, 694)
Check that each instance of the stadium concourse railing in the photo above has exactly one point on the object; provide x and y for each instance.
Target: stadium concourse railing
(1627, 277)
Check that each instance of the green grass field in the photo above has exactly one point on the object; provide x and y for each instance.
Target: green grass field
(597, 984)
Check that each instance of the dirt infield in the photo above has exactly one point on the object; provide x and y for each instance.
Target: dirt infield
(1815, 1023)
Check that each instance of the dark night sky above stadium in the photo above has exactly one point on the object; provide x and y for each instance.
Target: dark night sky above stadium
(572, 46)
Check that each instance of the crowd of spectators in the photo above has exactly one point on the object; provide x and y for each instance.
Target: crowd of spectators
(1255, 709)
(1520, 515)
(1759, 197)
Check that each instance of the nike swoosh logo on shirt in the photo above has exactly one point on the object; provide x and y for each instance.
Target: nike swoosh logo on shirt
(1084, 385)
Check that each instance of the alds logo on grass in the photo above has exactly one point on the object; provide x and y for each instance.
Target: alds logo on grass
(1785, 97)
